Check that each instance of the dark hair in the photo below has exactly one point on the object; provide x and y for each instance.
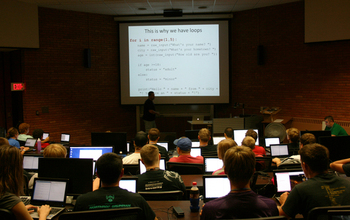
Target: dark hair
(330, 118)
(38, 133)
(11, 170)
(307, 138)
(229, 132)
(150, 93)
(140, 139)
(153, 134)
(315, 156)
(109, 166)
(251, 133)
(12, 132)
(239, 164)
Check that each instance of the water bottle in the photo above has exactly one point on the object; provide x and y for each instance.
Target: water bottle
(194, 198)
(38, 145)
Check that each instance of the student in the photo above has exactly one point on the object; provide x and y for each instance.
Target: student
(153, 137)
(293, 136)
(4, 141)
(258, 150)
(38, 133)
(248, 141)
(24, 130)
(155, 179)
(336, 129)
(204, 136)
(139, 141)
(184, 145)
(228, 133)
(223, 146)
(321, 189)
(110, 195)
(12, 135)
(11, 185)
(241, 202)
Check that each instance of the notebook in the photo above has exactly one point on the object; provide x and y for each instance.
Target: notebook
(279, 150)
(129, 183)
(195, 151)
(31, 162)
(89, 152)
(30, 142)
(143, 167)
(212, 164)
(45, 135)
(286, 179)
(65, 138)
(216, 140)
(215, 186)
(49, 191)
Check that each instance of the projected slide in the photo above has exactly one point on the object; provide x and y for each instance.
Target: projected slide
(174, 60)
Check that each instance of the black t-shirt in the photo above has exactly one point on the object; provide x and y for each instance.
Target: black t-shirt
(160, 180)
(163, 152)
(113, 197)
(146, 107)
(209, 150)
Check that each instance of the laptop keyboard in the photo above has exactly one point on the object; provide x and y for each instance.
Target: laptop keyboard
(25, 200)
(54, 211)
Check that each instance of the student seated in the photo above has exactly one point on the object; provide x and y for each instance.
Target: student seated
(155, 179)
(23, 130)
(258, 150)
(12, 135)
(321, 189)
(341, 166)
(248, 141)
(241, 202)
(139, 141)
(38, 134)
(293, 136)
(4, 141)
(153, 137)
(11, 185)
(110, 195)
(184, 145)
(204, 136)
(223, 146)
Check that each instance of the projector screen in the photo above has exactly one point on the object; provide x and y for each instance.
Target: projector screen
(181, 62)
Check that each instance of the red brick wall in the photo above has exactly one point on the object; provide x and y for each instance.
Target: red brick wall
(305, 80)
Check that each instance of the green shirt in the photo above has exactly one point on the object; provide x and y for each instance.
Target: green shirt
(337, 130)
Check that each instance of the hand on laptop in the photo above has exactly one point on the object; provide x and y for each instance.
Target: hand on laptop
(31, 208)
(44, 211)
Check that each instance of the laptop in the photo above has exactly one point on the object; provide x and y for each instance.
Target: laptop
(197, 119)
(215, 186)
(143, 167)
(195, 143)
(163, 144)
(195, 151)
(45, 135)
(273, 140)
(216, 140)
(49, 191)
(286, 179)
(89, 152)
(212, 164)
(129, 183)
(239, 135)
(65, 138)
(31, 163)
(279, 150)
(30, 142)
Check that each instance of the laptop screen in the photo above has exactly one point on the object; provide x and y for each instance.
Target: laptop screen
(279, 150)
(30, 162)
(92, 152)
(239, 135)
(212, 164)
(287, 179)
(195, 151)
(215, 186)
(65, 137)
(45, 135)
(143, 167)
(49, 191)
(30, 142)
(195, 144)
(163, 144)
(129, 184)
(216, 140)
(269, 141)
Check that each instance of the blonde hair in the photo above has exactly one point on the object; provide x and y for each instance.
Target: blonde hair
(55, 150)
(149, 154)
(4, 141)
(224, 145)
(204, 134)
(249, 142)
(12, 132)
(293, 134)
(23, 127)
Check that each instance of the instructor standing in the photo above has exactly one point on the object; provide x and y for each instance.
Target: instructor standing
(149, 112)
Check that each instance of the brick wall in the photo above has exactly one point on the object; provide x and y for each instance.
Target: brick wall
(305, 80)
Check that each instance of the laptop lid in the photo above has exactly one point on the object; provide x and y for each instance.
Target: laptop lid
(239, 135)
(286, 179)
(215, 186)
(89, 152)
(45, 135)
(51, 191)
(195, 151)
(129, 183)
(31, 162)
(273, 140)
(212, 164)
(216, 140)
(163, 144)
(195, 143)
(279, 150)
(30, 142)
(65, 138)
(143, 167)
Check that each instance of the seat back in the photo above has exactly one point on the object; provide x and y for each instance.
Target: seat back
(329, 212)
(186, 168)
(263, 164)
(133, 213)
(6, 215)
(161, 196)
(131, 169)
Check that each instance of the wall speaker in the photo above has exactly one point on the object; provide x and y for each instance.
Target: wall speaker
(261, 55)
(87, 58)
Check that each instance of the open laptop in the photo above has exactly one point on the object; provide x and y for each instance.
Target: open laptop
(129, 183)
(49, 191)
(212, 164)
(30, 142)
(195, 143)
(273, 140)
(239, 135)
(215, 186)
(163, 144)
(143, 168)
(197, 119)
(65, 138)
(31, 163)
(195, 151)
(45, 135)
(286, 179)
(216, 140)
(279, 150)
(89, 152)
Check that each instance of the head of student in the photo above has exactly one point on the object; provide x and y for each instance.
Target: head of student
(329, 120)
(4, 141)
(239, 163)
(151, 95)
(110, 168)
(252, 133)
(24, 128)
(12, 133)
(307, 138)
(293, 135)
(204, 135)
(314, 159)
(38, 133)
(154, 134)
(248, 141)
(228, 133)
(223, 146)
(11, 170)
(184, 145)
(55, 150)
(140, 140)
(150, 155)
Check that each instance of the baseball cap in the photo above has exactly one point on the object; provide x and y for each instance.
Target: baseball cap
(183, 143)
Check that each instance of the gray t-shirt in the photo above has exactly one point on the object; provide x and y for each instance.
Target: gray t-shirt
(9, 200)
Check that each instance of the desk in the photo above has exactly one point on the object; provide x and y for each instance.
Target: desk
(200, 123)
(161, 207)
